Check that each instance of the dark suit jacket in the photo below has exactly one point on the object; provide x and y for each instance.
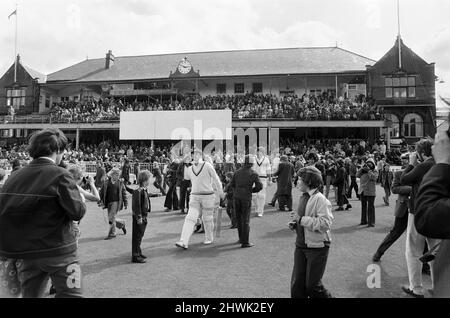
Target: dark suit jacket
(432, 220)
(403, 192)
(285, 174)
(413, 176)
(245, 182)
(123, 200)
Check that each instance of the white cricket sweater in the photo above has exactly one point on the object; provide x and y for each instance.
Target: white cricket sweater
(204, 179)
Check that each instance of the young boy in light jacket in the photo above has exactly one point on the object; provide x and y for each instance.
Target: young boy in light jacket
(312, 222)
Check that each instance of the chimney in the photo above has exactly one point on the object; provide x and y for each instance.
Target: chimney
(109, 59)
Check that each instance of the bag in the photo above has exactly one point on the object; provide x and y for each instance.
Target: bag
(401, 207)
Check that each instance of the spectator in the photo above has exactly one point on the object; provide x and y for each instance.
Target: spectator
(23, 219)
(386, 178)
(368, 177)
(432, 217)
(420, 163)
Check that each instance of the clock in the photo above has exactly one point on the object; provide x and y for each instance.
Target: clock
(184, 67)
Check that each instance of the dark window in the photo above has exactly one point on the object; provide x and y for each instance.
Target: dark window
(257, 88)
(239, 88)
(400, 86)
(221, 88)
(15, 97)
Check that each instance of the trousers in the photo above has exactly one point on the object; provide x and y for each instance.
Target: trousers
(259, 199)
(113, 209)
(309, 267)
(353, 185)
(367, 209)
(64, 271)
(242, 210)
(199, 205)
(415, 244)
(400, 225)
(171, 201)
(184, 194)
(136, 237)
(341, 196)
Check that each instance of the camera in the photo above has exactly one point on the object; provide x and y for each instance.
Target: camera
(292, 225)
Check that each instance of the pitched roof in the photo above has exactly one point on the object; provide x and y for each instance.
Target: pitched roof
(216, 64)
(35, 74)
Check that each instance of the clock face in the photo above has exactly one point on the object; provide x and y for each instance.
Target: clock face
(184, 67)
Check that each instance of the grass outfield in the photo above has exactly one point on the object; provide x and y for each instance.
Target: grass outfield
(224, 269)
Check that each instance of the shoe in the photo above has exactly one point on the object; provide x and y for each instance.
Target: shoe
(271, 204)
(411, 293)
(371, 225)
(207, 242)
(349, 206)
(181, 245)
(138, 259)
(362, 223)
(259, 215)
(197, 228)
(376, 257)
(247, 245)
(233, 227)
(143, 256)
(182, 211)
(124, 229)
(52, 290)
(110, 237)
(166, 210)
(339, 209)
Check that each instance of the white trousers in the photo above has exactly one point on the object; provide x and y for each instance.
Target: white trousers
(259, 198)
(415, 243)
(199, 205)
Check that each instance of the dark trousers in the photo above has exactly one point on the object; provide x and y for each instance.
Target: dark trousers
(367, 209)
(242, 210)
(171, 201)
(63, 270)
(309, 267)
(353, 185)
(285, 200)
(274, 198)
(184, 194)
(231, 213)
(159, 186)
(138, 234)
(342, 198)
(400, 225)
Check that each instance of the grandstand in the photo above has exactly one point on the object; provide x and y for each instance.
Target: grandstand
(310, 93)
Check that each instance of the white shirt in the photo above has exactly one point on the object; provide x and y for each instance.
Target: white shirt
(204, 179)
(262, 167)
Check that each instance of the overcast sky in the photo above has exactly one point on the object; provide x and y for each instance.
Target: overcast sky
(54, 34)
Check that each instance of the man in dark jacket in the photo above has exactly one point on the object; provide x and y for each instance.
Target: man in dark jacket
(353, 168)
(185, 184)
(432, 217)
(339, 182)
(419, 164)
(245, 182)
(401, 212)
(285, 174)
(171, 202)
(38, 205)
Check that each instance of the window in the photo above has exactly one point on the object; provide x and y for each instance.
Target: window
(413, 126)
(15, 97)
(257, 88)
(400, 86)
(239, 88)
(221, 88)
(395, 129)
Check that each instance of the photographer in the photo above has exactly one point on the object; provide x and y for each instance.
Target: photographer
(420, 162)
(37, 232)
(432, 217)
(368, 177)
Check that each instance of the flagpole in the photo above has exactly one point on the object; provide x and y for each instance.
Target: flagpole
(399, 37)
(15, 52)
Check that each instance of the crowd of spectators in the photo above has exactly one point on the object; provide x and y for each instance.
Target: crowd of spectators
(248, 106)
